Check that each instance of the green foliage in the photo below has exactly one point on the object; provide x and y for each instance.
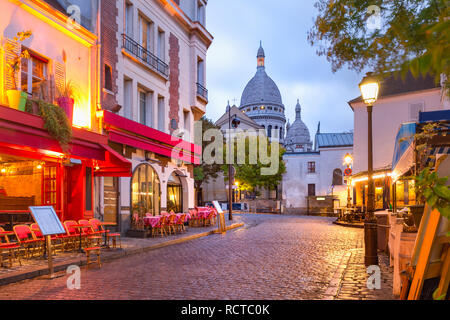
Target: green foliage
(414, 36)
(434, 190)
(249, 175)
(13, 66)
(68, 90)
(55, 121)
(204, 172)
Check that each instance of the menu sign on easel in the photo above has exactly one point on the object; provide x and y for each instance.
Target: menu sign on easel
(221, 220)
(47, 220)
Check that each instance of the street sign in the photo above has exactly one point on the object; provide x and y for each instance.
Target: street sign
(47, 220)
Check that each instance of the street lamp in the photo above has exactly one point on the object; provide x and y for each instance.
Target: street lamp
(369, 90)
(231, 123)
(348, 162)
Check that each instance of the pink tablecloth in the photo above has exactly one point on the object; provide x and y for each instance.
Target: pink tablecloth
(154, 220)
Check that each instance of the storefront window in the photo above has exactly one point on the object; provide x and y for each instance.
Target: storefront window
(145, 191)
(174, 194)
(25, 183)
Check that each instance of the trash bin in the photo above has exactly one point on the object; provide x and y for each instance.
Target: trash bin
(382, 229)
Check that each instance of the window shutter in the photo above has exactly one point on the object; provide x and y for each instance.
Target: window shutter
(414, 109)
(59, 72)
(9, 58)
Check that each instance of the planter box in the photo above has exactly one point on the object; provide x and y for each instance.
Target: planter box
(137, 234)
(401, 246)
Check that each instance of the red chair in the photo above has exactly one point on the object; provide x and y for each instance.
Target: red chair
(161, 225)
(90, 234)
(98, 227)
(195, 218)
(180, 222)
(28, 240)
(73, 233)
(170, 222)
(13, 249)
(137, 222)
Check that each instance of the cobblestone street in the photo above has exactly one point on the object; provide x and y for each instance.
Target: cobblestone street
(272, 257)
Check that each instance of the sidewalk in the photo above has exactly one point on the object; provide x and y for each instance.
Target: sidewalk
(350, 279)
(35, 267)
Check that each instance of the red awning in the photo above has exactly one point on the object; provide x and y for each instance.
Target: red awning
(125, 131)
(115, 165)
(23, 130)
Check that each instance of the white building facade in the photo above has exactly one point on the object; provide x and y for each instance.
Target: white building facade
(314, 172)
(400, 101)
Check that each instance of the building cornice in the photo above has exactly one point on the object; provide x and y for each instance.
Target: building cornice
(193, 27)
(359, 103)
(58, 20)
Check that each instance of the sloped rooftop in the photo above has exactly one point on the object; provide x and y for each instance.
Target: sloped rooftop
(329, 140)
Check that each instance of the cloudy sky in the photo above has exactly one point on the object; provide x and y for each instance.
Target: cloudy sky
(239, 25)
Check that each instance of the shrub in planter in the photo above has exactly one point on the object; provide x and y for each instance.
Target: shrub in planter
(65, 100)
(16, 98)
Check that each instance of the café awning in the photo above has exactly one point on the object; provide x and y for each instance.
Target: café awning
(403, 158)
(115, 165)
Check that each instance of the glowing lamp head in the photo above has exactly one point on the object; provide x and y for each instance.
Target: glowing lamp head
(3, 170)
(369, 88)
(348, 159)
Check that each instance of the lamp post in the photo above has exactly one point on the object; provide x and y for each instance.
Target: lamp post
(235, 124)
(369, 90)
(348, 161)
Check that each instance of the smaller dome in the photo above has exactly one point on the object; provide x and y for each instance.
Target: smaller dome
(298, 133)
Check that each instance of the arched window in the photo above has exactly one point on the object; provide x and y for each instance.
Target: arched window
(174, 194)
(337, 177)
(145, 192)
(281, 133)
(269, 131)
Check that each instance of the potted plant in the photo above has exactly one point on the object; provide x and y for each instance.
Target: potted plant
(65, 99)
(17, 99)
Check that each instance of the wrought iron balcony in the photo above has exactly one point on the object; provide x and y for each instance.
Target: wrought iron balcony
(145, 56)
(202, 91)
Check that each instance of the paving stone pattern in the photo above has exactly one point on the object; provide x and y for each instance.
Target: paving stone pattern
(272, 257)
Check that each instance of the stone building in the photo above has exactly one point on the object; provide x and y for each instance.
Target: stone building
(154, 89)
(314, 171)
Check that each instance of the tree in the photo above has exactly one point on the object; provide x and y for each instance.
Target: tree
(413, 35)
(204, 172)
(252, 176)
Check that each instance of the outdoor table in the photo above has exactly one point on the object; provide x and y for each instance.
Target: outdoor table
(152, 221)
(111, 224)
(80, 226)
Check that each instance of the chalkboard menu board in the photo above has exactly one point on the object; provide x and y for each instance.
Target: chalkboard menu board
(47, 220)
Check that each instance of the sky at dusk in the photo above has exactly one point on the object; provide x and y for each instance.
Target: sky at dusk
(282, 26)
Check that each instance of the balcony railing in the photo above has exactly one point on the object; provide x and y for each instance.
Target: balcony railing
(145, 56)
(202, 91)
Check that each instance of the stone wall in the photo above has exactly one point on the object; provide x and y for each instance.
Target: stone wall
(109, 29)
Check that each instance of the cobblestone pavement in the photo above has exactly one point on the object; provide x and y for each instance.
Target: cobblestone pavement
(272, 257)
